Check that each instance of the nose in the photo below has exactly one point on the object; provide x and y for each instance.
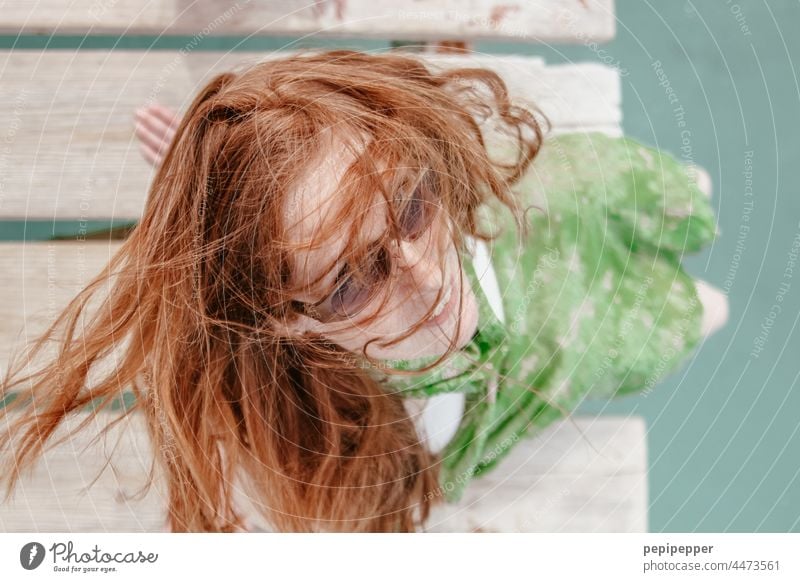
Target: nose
(422, 263)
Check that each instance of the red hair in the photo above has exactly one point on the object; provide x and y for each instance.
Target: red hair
(199, 285)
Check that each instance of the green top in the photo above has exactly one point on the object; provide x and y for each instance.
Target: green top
(596, 302)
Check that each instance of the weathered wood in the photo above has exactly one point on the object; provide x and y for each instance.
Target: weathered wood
(40, 278)
(554, 482)
(521, 21)
(68, 150)
(583, 474)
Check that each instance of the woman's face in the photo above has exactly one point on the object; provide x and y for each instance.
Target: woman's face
(426, 277)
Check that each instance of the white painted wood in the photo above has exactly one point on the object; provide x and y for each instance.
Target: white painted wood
(40, 278)
(554, 482)
(514, 20)
(68, 150)
(583, 474)
(57, 495)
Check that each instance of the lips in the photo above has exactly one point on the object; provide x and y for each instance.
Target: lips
(445, 306)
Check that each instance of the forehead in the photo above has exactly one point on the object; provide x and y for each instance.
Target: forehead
(314, 204)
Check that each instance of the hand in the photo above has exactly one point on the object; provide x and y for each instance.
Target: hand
(155, 127)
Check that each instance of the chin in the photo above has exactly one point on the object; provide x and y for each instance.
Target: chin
(435, 341)
(427, 341)
(469, 324)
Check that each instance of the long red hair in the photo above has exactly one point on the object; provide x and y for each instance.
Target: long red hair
(196, 289)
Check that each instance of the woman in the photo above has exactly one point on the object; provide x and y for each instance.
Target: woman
(308, 267)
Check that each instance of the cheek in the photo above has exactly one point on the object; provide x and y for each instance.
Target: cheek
(352, 339)
(353, 335)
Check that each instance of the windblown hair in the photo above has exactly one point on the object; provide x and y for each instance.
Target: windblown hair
(198, 290)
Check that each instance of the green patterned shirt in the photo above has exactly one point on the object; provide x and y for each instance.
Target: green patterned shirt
(596, 301)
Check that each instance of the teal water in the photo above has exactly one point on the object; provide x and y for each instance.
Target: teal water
(724, 448)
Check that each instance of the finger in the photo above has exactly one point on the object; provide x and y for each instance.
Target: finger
(149, 139)
(156, 126)
(170, 119)
(169, 130)
(165, 114)
(152, 158)
(170, 134)
(158, 109)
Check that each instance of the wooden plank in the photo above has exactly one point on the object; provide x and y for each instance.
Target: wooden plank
(57, 495)
(521, 21)
(67, 147)
(583, 474)
(40, 278)
(554, 482)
